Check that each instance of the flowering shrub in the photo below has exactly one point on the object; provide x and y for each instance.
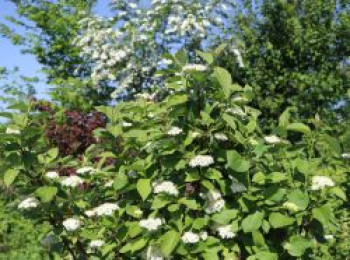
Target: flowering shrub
(194, 177)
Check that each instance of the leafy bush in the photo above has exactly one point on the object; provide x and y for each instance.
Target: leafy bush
(193, 177)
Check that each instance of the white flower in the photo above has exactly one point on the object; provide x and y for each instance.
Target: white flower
(96, 243)
(190, 238)
(320, 182)
(154, 253)
(109, 184)
(220, 137)
(273, 139)
(328, 237)
(28, 203)
(292, 207)
(71, 224)
(215, 202)
(72, 181)
(165, 187)
(126, 124)
(106, 209)
(11, 131)
(151, 224)
(52, 175)
(202, 161)
(225, 232)
(86, 169)
(237, 187)
(346, 155)
(203, 235)
(175, 131)
(194, 67)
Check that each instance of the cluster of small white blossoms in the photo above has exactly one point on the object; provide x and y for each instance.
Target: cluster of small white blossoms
(190, 237)
(220, 137)
(175, 131)
(346, 155)
(215, 202)
(28, 203)
(106, 209)
(72, 181)
(71, 224)
(236, 186)
(201, 161)
(167, 187)
(320, 182)
(194, 67)
(151, 224)
(85, 170)
(292, 207)
(225, 232)
(273, 139)
(96, 243)
(11, 131)
(52, 175)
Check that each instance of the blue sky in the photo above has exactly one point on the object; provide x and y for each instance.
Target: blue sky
(11, 56)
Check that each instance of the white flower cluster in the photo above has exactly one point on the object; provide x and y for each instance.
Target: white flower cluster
(28, 203)
(11, 131)
(52, 175)
(96, 243)
(106, 209)
(85, 170)
(236, 186)
(72, 181)
(167, 187)
(320, 182)
(190, 238)
(201, 161)
(71, 224)
(220, 137)
(175, 131)
(215, 202)
(225, 232)
(151, 224)
(345, 155)
(194, 67)
(273, 139)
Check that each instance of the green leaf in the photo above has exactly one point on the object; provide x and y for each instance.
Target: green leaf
(299, 127)
(278, 220)
(139, 244)
(236, 162)
(10, 176)
(207, 57)
(299, 198)
(46, 193)
(189, 203)
(220, 49)
(252, 222)
(120, 181)
(225, 80)
(144, 188)
(230, 120)
(323, 214)
(298, 245)
(225, 216)
(338, 192)
(168, 242)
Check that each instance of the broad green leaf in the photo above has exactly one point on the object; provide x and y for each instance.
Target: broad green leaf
(139, 244)
(168, 242)
(299, 198)
(225, 80)
(225, 216)
(252, 222)
(10, 176)
(297, 245)
(144, 188)
(230, 120)
(299, 127)
(278, 220)
(207, 57)
(46, 193)
(120, 181)
(338, 192)
(236, 162)
(323, 214)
